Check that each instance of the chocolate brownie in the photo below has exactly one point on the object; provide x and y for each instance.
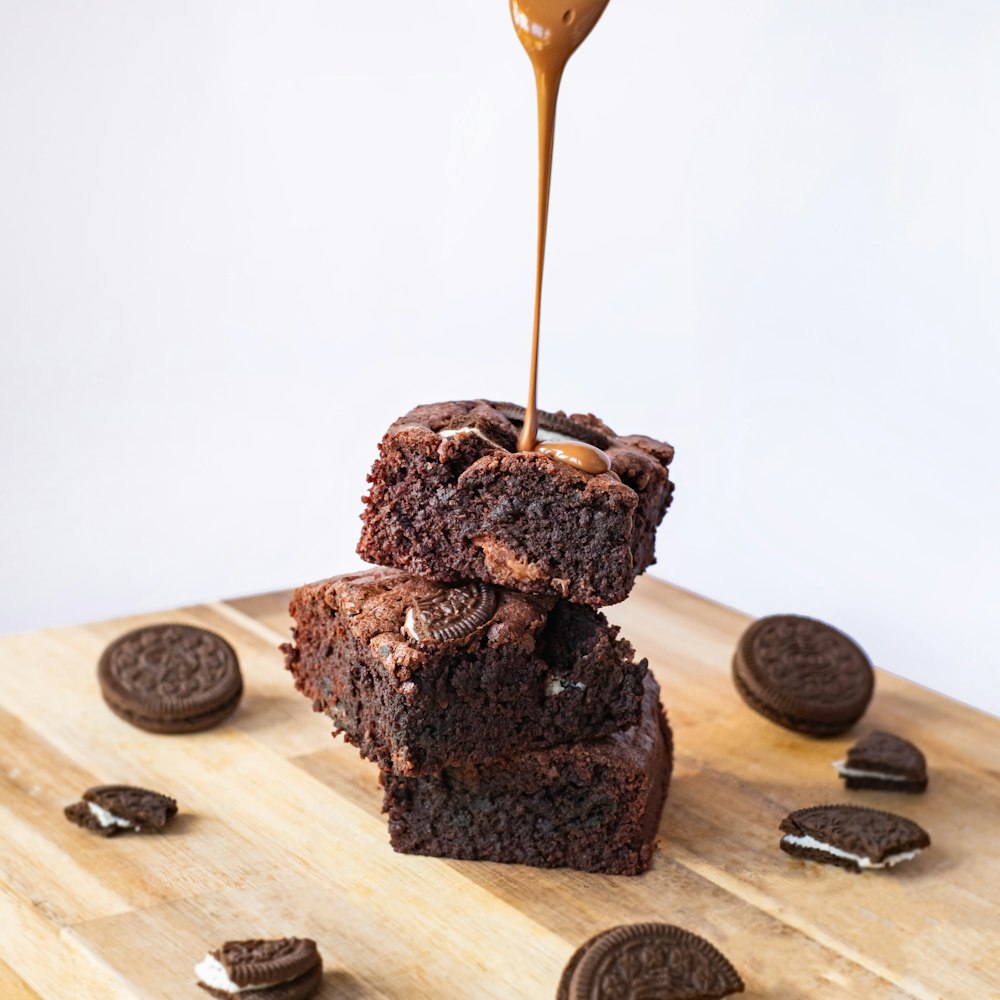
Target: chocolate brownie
(420, 675)
(594, 806)
(452, 499)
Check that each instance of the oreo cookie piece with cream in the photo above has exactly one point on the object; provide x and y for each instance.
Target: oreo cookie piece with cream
(256, 969)
(885, 762)
(852, 837)
(113, 809)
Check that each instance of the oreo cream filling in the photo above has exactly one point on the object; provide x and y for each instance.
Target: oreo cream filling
(450, 432)
(556, 685)
(213, 973)
(542, 435)
(557, 438)
(408, 625)
(106, 818)
(862, 862)
(853, 772)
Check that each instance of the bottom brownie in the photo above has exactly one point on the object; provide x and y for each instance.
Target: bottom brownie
(593, 806)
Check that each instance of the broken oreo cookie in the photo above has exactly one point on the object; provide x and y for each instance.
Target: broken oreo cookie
(886, 762)
(648, 960)
(803, 674)
(852, 837)
(113, 809)
(255, 969)
(171, 678)
(451, 612)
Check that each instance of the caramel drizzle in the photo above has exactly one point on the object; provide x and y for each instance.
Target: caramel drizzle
(550, 31)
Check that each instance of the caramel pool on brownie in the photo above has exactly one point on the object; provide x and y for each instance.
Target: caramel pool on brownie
(452, 499)
(420, 675)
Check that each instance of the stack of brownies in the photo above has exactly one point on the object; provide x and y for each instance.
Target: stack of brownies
(508, 719)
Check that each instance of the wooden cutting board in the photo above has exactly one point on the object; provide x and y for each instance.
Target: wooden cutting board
(281, 834)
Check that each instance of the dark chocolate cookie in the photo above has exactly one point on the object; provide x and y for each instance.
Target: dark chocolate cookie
(648, 960)
(852, 837)
(171, 678)
(886, 762)
(803, 674)
(113, 809)
(280, 969)
(451, 612)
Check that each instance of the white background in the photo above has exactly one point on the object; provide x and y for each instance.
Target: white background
(237, 239)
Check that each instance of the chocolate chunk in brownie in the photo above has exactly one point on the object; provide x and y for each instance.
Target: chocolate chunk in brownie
(420, 675)
(452, 499)
(594, 806)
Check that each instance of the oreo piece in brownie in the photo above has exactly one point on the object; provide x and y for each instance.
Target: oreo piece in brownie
(594, 806)
(452, 499)
(420, 675)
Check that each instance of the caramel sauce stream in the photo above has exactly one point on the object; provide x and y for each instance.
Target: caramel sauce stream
(550, 31)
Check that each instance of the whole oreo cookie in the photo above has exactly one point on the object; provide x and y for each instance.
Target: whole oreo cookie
(256, 969)
(451, 612)
(803, 674)
(648, 960)
(171, 678)
(113, 809)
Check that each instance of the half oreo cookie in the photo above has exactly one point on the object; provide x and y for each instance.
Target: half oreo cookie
(803, 674)
(113, 809)
(852, 837)
(171, 678)
(255, 969)
(648, 960)
(886, 762)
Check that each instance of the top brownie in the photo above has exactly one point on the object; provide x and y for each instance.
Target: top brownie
(452, 499)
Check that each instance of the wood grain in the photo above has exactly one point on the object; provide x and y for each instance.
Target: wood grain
(281, 833)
